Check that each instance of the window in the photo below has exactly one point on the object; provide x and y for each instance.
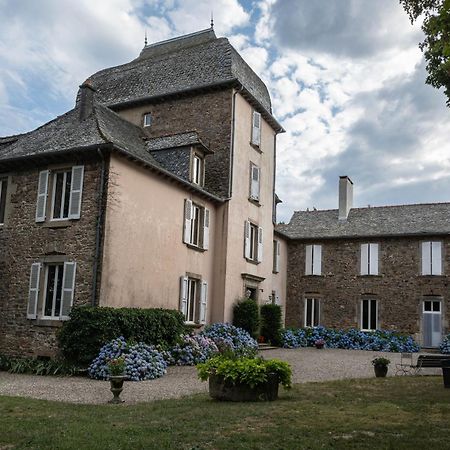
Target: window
(57, 294)
(313, 260)
(66, 188)
(255, 174)
(276, 256)
(197, 169)
(256, 129)
(147, 120)
(369, 314)
(253, 242)
(193, 299)
(312, 312)
(431, 322)
(196, 225)
(3, 187)
(369, 259)
(431, 258)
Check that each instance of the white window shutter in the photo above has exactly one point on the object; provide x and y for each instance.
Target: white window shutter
(317, 260)
(41, 204)
(68, 288)
(76, 192)
(247, 239)
(206, 216)
(436, 259)
(276, 267)
(308, 259)
(187, 221)
(34, 290)
(277, 298)
(183, 295)
(254, 182)
(260, 244)
(364, 259)
(256, 128)
(426, 258)
(203, 302)
(373, 259)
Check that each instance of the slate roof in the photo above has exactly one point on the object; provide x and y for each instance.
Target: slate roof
(189, 138)
(419, 219)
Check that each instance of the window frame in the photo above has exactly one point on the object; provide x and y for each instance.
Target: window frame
(144, 120)
(257, 197)
(369, 314)
(196, 221)
(314, 264)
(369, 267)
(3, 198)
(315, 305)
(59, 275)
(54, 174)
(192, 282)
(198, 170)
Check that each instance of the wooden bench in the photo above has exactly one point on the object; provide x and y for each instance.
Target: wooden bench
(407, 367)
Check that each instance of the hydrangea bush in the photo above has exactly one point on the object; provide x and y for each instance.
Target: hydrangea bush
(444, 346)
(191, 350)
(352, 339)
(230, 338)
(142, 361)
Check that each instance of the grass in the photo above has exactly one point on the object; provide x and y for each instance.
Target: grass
(391, 413)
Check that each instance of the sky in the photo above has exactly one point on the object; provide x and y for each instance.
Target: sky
(346, 77)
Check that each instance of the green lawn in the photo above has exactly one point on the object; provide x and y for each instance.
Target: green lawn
(397, 413)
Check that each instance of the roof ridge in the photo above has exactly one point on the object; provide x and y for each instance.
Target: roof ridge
(176, 38)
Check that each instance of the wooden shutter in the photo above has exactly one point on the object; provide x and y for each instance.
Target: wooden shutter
(247, 242)
(254, 182)
(34, 290)
(276, 256)
(206, 216)
(308, 259)
(317, 260)
(436, 259)
(183, 295)
(41, 204)
(364, 259)
(76, 192)
(260, 245)
(373, 263)
(256, 128)
(203, 301)
(187, 221)
(426, 258)
(68, 288)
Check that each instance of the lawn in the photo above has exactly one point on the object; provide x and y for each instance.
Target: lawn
(397, 413)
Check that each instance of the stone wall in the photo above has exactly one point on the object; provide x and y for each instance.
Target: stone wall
(23, 241)
(400, 288)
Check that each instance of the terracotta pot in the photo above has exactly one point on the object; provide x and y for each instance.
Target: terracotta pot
(380, 370)
(116, 382)
(227, 391)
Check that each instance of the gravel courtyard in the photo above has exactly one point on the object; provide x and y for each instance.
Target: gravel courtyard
(308, 365)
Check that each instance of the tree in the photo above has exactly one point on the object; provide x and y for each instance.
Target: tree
(436, 45)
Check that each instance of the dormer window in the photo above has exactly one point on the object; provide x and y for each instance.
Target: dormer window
(147, 121)
(198, 169)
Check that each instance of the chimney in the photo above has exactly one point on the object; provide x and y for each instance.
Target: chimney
(86, 99)
(345, 197)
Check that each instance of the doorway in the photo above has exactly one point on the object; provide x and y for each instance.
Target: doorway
(431, 323)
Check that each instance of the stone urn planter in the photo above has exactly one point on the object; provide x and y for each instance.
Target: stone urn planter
(220, 389)
(116, 382)
(380, 366)
(319, 344)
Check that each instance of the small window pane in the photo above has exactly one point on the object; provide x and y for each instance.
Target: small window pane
(373, 314)
(67, 194)
(147, 120)
(427, 306)
(308, 322)
(436, 306)
(365, 315)
(51, 273)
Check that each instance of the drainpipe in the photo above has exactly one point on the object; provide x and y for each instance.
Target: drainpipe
(98, 231)
(233, 124)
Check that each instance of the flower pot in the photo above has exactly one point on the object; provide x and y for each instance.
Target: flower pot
(221, 389)
(380, 370)
(319, 346)
(116, 382)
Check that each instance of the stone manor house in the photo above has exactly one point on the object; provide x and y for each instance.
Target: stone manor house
(158, 190)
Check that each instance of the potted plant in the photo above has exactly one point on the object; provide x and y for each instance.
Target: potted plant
(319, 343)
(380, 366)
(116, 367)
(244, 379)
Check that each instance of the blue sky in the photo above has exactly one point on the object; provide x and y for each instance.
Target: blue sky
(346, 79)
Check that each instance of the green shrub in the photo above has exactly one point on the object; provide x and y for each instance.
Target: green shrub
(36, 366)
(89, 328)
(246, 316)
(271, 323)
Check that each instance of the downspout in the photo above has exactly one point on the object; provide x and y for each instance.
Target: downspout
(98, 228)
(233, 125)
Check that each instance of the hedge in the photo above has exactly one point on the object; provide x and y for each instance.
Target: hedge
(89, 328)
(246, 316)
(271, 323)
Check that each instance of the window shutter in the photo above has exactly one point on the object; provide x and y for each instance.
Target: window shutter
(260, 244)
(34, 290)
(317, 260)
(187, 221)
(426, 258)
(277, 298)
(76, 192)
(203, 302)
(41, 204)
(68, 287)
(254, 182)
(256, 128)
(364, 259)
(436, 259)
(206, 228)
(183, 295)
(373, 259)
(308, 260)
(247, 239)
(276, 265)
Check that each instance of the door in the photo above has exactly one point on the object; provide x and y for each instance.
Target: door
(431, 323)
